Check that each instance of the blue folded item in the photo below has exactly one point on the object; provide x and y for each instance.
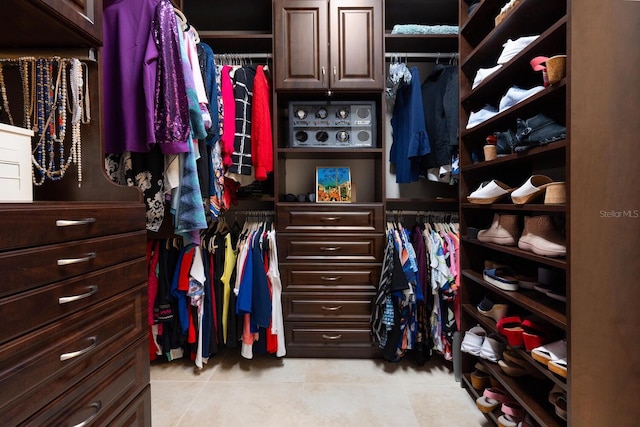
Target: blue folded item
(424, 29)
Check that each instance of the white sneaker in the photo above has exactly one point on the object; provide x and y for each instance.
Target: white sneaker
(515, 95)
(483, 73)
(514, 47)
(480, 116)
(473, 340)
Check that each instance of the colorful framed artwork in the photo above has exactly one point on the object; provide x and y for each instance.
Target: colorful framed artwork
(333, 185)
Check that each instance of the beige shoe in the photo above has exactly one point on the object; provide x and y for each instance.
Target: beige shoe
(504, 230)
(541, 237)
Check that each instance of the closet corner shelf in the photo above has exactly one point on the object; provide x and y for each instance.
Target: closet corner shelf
(548, 309)
(523, 109)
(511, 250)
(402, 43)
(523, 156)
(532, 396)
(518, 208)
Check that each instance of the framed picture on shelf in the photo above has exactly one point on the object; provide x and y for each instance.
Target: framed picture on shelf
(333, 184)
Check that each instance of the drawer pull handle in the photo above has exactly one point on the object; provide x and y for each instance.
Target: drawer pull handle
(330, 218)
(334, 308)
(97, 405)
(93, 289)
(74, 354)
(67, 261)
(330, 279)
(72, 222)
(330, 248)
(331, 337)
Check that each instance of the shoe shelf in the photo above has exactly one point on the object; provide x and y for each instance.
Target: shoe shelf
(481, 21)
(530, 17)
(490, 326)
(532, 301)
(524, 109)
(554, 149)
(511, 250)
(517, 71)
(555, 208)
(532, 395)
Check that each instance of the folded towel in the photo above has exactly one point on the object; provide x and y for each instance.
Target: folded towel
(424, 29)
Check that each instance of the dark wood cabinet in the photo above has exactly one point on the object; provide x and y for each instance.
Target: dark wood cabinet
(329, 45)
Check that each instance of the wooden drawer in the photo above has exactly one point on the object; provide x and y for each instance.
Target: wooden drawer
(325, 339)
(29, 310)
(138, 413)
(103, 395)
(318, 306)
(330, 277)
(36, 368)
(30, 268)
(336, 248)
(43, 223)
(318, 218)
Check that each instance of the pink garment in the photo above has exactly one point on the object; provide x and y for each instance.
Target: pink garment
(229, 124)
(261, 135)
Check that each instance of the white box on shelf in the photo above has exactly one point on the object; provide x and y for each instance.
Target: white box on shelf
(15, 164)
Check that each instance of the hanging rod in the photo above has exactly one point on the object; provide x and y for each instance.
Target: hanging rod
(420, 55)
(82, 54)
(244, 55)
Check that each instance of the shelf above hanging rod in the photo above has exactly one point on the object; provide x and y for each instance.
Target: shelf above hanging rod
(421, 55)
(244, 55)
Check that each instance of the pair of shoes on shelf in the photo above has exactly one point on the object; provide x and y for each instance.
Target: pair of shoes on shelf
(480, 378)
(478, 343)
(553, 355)
(482, 115)
(525, 333)
(495, 311)
(512, 415)
(534, 187)
(539, 234)
(515, 95)
(502, 278)
(514, 365)
(551, 283)
(558, 398)
(491, 398)
(523, 276)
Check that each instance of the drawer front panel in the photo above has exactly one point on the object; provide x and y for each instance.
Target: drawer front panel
(102, 395)
(343, 248)
(323, 307)
(46, 223)
(365, 219)
(30, 268)
(330, 277)
(137, 414)
(42, 365)
(329, 340)
(27, 311)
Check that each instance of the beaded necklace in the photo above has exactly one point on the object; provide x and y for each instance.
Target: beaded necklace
(3, 92)
(27, 76)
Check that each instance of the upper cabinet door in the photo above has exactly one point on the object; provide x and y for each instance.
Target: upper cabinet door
(356, 48)
(301, 44)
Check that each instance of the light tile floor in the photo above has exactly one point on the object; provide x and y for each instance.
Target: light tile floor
(267, 391)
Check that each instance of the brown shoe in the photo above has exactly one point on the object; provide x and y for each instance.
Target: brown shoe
(504, 230)
(541, 237)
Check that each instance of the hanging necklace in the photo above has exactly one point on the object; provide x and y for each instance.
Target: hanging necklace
(3, 92)
(27, 76)
(37, 155)
(77, 113)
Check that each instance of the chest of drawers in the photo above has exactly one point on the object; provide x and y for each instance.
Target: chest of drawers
(73, 346)
(330, 260)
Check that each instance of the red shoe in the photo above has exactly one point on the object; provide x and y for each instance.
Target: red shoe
(511, 328)
(534, 334)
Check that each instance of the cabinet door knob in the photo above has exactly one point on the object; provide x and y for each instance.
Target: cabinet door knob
(72, 222)
(93, 289)
(331, 337)
(74, 354)
(330, 248)
(67, 261)
(334, 308)
(330, 279)
(97, 405)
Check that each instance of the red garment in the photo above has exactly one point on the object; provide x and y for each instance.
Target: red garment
(261, 138)
(185, 267)
(229, 119)
(153, 254)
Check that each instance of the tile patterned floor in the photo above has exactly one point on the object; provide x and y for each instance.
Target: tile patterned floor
(267, 391)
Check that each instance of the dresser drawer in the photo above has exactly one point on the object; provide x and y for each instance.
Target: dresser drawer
(43, 223)
(101, 396)
(323, 339)
(44, 364)
(347, 307)
(330, 277)
(317, 218)
(29, 268)
(337, 248)
(29, 310)
(138, 413)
